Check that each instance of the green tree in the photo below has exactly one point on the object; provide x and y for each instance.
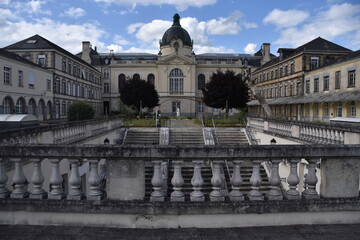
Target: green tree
(226, 90)
(80, 111)
(140, 94)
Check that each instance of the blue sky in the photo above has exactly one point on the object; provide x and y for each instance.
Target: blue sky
(214, 25)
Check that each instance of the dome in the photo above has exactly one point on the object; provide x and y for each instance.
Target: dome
(176, 31)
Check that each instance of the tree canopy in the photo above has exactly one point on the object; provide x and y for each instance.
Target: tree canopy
(226, 90)
(80, 111)
(139, 93)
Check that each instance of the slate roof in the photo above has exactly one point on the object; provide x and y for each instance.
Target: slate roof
(38, 42)
(176, 31)
(18, 58)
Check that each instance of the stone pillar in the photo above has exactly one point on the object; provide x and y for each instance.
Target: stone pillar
(275, 193)
(94, 180)
(157, 195)
(37, 180)
(236, 182)
(125, 179)
(255, 182)
(339, 178)
(217, 195)
(197, 182)
(177, 181)
(293, 180)
(19, 179)
(56, 180)
(311, 181)
(4, 192)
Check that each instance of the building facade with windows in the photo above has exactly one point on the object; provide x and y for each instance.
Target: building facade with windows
(176, 71)
(73, 78)
(26, 88)
(282, 82)
(333, 90)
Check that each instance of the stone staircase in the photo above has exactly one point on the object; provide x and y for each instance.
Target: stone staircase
(186, 136)
(142, 136)
(230, 136)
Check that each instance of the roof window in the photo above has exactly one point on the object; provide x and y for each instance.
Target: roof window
(31, 41)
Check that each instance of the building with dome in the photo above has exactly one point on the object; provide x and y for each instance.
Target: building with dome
(177, 72)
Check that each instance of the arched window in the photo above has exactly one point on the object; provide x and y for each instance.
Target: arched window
(20, 106)
(352, 109)
(136, 76)
(63, 112)
(41, 107)
(32, 107)
(7, 105)
(176, 80)
(151, 78)
(201, 81)
(49, 107)
(121, 82)
(339, 110)
(57, 85)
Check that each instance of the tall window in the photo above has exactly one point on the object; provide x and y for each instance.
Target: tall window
(307, 86)
(42, 60)
(63, 108)
(337, 80)
(151, 78)
(316, 85)
(6, 105)
(276, 73)
(20, 106)
(281, 71)
(175, 106)
(106, 73)
(272, 75)
(31, 80)
(63, 65)
(106, 88)
(176, 80)
(316, 110)
(292, 67)
(121, 82)
(326, 109)
(352, 109)
(7, 75)
(326, 83)
(201, 81)
(286, 71)
(307, 109)
(20, 78)
(63, 85)
(285, 90)
(351, 78)
(314, 63)
(339, 110)
(291, 89)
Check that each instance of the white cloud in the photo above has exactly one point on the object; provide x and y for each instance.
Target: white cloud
(250, 48)
(180, 5)
(31, 7)
(227, 25)
(283, 19)
(337, 21)
(4, 2)
(134, 27)
(209, 49)
(248, 25)
(7, 14)
(118, 39)
(70, 38)
(74, 12)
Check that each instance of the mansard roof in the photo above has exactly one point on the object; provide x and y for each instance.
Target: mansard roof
(38, 42)
(18, 58)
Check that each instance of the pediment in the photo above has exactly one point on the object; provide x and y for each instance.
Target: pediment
(176, 59)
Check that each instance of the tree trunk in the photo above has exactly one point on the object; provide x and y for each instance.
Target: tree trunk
(254, 89)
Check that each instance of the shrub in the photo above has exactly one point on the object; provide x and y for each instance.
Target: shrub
(80, 111)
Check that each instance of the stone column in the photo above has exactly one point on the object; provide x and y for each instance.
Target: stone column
(293, 180)
(75, 192)
(37, 180)
(275, 193)
(217, 195)
(255, 182)
(19, 179)
(177, 181)
(4, 192)
(197, 182)
(157, 195)
(94, 180)
(311, 181)
(236, 182)
(56, 180)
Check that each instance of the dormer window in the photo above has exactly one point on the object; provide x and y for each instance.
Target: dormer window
(31, 41)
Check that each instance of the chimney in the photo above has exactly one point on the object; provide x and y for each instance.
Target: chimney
(85, 54)
(265, 51)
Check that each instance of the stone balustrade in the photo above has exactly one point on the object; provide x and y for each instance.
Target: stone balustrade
(126, 172)
(307, 131)
(61, 133)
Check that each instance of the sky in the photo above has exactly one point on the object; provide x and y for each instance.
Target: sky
(226, 26)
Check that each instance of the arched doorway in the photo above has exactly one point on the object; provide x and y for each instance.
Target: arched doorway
(7, 105)
(20, 106)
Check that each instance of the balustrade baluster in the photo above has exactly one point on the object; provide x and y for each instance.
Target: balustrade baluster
(157, 195)
(275, 193)
(341, 137)
(236, 181)
(94, 180)
(75, 192)
(56, 180)
(177, 181)
(37, 180)
(293, 180)
(333, 138)
(337, 136)
(197, 182)
(311, 181)
(4, 192)
(216, 181)
(19, 179)
(255, 182)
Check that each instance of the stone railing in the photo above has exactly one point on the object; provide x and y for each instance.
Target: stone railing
(126, 171)
(307, 131)
(61, 133)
